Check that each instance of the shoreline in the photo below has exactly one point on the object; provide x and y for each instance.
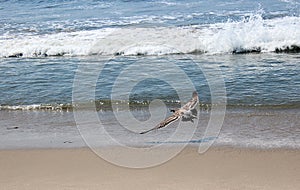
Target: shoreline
(218, 168)
(256, 129)
(188, 146)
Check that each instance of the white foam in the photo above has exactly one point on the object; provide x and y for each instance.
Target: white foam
(252, 33)
(36, 107)
(72, 44)
(293, 2)
(147, 41)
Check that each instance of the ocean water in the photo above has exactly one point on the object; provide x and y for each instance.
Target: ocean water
(242, 54)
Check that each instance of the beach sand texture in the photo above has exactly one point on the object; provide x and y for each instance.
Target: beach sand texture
(219, 168)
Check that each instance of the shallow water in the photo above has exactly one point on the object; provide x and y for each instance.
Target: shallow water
(252, 128)
(250, 80)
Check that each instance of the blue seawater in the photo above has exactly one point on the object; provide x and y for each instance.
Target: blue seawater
(255, 45)
(242, 52)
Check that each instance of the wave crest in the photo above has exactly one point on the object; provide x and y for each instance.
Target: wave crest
(250, 35)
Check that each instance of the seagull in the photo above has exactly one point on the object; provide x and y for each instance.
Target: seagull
(186, 112)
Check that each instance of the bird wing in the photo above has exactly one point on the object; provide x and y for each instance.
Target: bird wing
(192, 103)
(164, 123)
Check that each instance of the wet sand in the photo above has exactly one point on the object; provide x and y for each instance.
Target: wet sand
(218, 168)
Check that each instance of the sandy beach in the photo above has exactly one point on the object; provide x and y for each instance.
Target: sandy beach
(219, 168)
(78, 75)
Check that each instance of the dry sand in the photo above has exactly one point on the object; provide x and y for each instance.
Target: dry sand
(221, 168)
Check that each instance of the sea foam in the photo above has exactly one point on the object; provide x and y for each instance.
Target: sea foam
(252, 34)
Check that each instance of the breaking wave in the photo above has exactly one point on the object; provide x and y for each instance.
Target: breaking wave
(49, 107)
(253, 34)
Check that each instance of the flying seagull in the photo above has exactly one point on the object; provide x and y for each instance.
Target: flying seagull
(187, 111)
